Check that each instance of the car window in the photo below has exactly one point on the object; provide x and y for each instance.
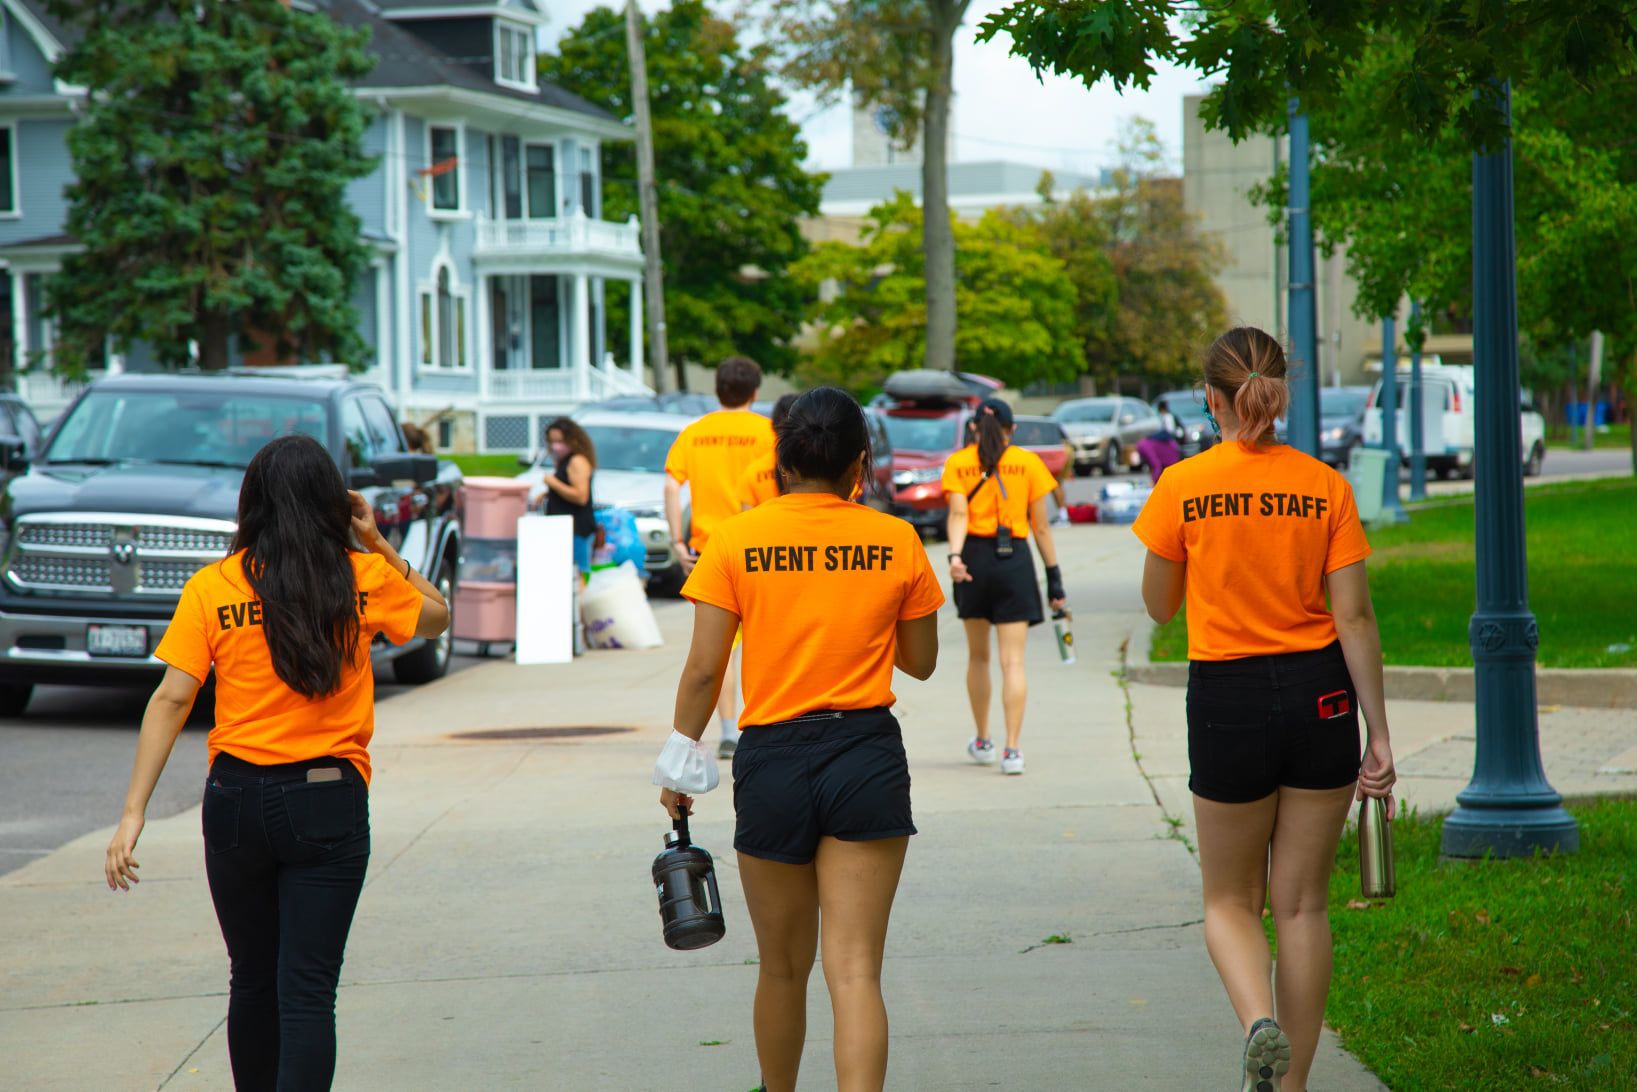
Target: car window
(1340, 402)
(205, 426)
(923, 433)
(8, 422)
(28, 426)
(384, 431)
(631, 447)
(1085, 411)
(355, 432)
(1038, 434)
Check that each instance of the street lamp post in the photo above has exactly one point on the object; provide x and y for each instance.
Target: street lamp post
(1390, 508)
(1418, 447)
(1508, 808)
(1303, 427)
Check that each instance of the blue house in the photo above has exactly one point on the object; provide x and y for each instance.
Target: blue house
(486, 301)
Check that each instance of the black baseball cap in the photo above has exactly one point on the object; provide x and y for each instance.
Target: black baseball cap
(1002, 412)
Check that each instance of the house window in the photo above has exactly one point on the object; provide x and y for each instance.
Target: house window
(588, 182)
(8, 170)
(514, 56)
(510, 173)
(542, 164)
(444, 149)
(443, 324)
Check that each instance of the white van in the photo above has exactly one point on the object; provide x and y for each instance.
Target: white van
(1448, 421)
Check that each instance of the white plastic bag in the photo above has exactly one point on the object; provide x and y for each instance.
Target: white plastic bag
(614, 607)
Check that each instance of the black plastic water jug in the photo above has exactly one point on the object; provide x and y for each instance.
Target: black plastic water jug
(689, 907)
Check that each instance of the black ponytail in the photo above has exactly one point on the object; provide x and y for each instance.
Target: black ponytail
(991, 442)
(823, 437)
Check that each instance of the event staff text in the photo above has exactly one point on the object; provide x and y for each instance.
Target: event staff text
(809, 559)
(1217, 505)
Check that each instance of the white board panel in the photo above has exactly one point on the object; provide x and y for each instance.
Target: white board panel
(545, 589)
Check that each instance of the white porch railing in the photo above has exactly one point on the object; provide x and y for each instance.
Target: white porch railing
(564, 236)
(48, 393)
(562, 385)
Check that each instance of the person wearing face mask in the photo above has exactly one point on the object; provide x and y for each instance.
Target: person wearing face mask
(568, 488)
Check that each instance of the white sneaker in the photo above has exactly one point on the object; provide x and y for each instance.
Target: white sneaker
(981, 751)
(1012, 761)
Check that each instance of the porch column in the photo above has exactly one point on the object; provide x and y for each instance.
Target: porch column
(19, 322)
(636, 327)
(485, 336)
(582, 336)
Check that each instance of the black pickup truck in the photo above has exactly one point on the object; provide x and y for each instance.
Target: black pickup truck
(137, 488)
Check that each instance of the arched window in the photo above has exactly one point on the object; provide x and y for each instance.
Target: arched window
(446, 320)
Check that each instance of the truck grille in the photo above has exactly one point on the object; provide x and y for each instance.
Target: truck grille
(113, 555)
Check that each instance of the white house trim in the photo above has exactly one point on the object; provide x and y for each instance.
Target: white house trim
(463, 208)
(458, 99)
(497, 11)
(522, 30)
(35, 29)
(430, 320)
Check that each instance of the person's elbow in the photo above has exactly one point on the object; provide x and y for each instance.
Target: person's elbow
(434, 619)
(1354, 617)
(919, 663)
(1160, 612)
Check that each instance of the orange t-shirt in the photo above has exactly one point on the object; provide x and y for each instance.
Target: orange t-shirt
(1024, 475)
(1258, 531)
(820, 585)
(759, 482)
(709, 457)
(258, 717)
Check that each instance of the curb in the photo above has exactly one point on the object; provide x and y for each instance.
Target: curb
(1588, 688)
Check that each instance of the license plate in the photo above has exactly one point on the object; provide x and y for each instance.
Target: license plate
(116, 640)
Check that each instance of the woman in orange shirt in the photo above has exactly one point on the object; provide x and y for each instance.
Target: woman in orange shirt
(286, 620)
(820, 778)
(1255, 535)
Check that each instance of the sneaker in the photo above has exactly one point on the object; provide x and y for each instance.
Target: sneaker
(1267, 1056)
(726, 748)
(981, 751)
(1012, 761)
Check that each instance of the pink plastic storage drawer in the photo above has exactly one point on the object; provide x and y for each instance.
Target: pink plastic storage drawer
(493, 507)
(486, 612)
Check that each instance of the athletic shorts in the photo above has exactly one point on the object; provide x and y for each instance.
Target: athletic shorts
(1002, 589)
(824, 775)
(1265, 722)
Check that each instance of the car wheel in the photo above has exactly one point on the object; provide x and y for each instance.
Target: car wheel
(1537, 461)
(1082, 470)
(1111, 460)
(668, 584)
(14, 700)
(430, 662)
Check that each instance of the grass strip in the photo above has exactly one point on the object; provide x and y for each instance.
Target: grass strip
(489, 466)
(1492, 974)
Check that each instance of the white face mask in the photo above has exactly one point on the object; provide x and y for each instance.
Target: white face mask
(559, 451)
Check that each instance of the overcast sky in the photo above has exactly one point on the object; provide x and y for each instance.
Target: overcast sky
(1002, 111)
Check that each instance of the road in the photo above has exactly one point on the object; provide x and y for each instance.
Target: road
(63, 767)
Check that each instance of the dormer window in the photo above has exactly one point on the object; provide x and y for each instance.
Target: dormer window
(514, 56)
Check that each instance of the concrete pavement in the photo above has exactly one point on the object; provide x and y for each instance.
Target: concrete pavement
(508, 936)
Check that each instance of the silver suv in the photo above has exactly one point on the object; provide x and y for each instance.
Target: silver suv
(1105, 431)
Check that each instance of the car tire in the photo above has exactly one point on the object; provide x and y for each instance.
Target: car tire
(1111, 459)
(1537, 461)
(1082, 470)
(14, 700)
(430, 662)
(668, 584)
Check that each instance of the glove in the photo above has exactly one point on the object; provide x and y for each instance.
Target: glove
(1054, 583)
(684, 767)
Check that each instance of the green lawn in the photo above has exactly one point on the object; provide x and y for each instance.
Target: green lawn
(1582, 580)
(1493, 974)
(491, 466)
(1617, 436)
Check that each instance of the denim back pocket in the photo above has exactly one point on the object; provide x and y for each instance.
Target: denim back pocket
(322, 813)
(219, 815)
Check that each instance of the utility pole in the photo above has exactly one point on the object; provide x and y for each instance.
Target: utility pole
(1390, 507)
(1303, 428)
(653, 278)
(1509, 808)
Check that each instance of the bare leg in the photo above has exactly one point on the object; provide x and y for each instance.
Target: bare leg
(1013, 639)
(1304, 852)
(783, 903)
(977, 673)
(1233, 862)
(856, 884)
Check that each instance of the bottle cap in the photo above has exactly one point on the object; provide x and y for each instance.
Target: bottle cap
(671, 838)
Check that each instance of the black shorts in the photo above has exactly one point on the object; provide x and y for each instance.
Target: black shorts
(1264, 722)
(1002, 589)
(823, 775)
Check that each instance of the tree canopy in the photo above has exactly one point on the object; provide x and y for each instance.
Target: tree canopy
(728, 164)
(1016, 302)
(211, 159)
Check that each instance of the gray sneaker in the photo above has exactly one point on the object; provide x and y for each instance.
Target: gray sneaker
(1267, 1056)
(726, 748)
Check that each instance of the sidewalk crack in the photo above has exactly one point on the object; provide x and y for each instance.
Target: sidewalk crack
(1123, 678)
(197, 1047)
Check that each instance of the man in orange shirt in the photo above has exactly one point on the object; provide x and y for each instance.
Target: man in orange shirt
(710, 457)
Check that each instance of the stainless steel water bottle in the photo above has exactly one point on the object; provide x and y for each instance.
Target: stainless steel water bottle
(1375, 850)
(1061, 621)
(689, 907)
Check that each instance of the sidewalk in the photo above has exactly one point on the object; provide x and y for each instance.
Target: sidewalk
(509, 938)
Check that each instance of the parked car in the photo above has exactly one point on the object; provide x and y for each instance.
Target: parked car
(1449, 416)
(1044, 437)
(924, 439)
(684, 403)
(1105, 431)
(631, 451)
(1192, 428)
(1341, 423)
(881, 451)
(137, 488)
(20, 433)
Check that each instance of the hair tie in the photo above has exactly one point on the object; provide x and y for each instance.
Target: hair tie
(1254, 375)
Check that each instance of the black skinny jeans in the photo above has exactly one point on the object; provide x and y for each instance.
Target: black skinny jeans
(286, 858)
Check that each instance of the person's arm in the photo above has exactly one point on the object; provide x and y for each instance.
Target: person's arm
(673, 517)
(167, 712)
(1355, 616)
(956, 534)
(701, 682)
(434, 618)
(917, 648)
(1162, 587)
(1041, 525)
(577, 490)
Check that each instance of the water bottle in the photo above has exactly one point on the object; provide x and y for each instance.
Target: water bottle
(1375, 850)
(689, 907)
(1061, 621)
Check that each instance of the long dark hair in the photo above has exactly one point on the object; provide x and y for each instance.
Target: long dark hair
(295, 526)
(823, 435)
(577, 439)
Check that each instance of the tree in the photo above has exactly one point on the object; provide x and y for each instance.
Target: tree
(211, 163)
(897, 56)
(1016, 302)
(729, 166)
